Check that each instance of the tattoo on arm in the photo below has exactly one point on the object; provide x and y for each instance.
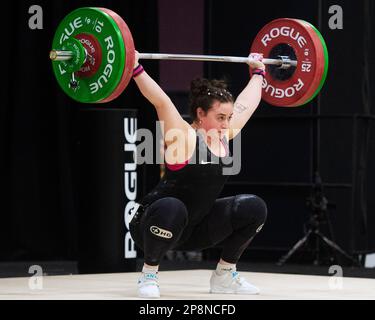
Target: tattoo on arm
(239, 108)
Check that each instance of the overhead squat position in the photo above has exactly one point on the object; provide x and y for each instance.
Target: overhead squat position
(183, 211)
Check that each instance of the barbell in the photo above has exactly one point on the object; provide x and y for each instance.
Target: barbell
(93, 57)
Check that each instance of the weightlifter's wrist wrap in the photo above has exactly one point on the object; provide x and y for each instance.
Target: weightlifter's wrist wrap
(259, 71)
(137, 70)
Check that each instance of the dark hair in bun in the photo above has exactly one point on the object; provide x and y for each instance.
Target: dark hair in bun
(204, 92)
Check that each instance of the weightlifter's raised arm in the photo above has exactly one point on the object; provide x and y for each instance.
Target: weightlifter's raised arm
(248, 100)
(166, 110)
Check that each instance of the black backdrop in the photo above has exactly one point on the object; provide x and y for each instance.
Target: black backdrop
(38, 134)
(284, 147)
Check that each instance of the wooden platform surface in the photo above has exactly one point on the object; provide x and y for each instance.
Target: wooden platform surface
(187, 285)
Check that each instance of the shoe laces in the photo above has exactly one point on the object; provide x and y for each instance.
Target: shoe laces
(236, 277)
(149, 278)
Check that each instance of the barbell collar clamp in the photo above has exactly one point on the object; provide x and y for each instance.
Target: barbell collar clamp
(286, 63)
(61, 55)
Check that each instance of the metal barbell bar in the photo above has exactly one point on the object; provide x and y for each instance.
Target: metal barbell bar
(283, 62)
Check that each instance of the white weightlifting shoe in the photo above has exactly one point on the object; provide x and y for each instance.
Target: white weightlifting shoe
(148, 286)
(230, 282)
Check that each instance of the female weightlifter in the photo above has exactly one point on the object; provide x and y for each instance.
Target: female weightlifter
(183, 212)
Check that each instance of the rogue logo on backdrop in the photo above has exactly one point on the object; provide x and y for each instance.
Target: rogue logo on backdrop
(130, 183)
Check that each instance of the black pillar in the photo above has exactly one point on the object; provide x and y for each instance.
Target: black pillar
(107, 189)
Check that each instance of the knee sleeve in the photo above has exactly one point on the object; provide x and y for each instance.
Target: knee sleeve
(249, 210)
(166, 218)
(249, 214)
(163, 225)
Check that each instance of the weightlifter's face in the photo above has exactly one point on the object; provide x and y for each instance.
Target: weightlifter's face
(218, 117)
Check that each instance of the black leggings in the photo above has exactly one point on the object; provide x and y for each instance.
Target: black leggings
(231, 224)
